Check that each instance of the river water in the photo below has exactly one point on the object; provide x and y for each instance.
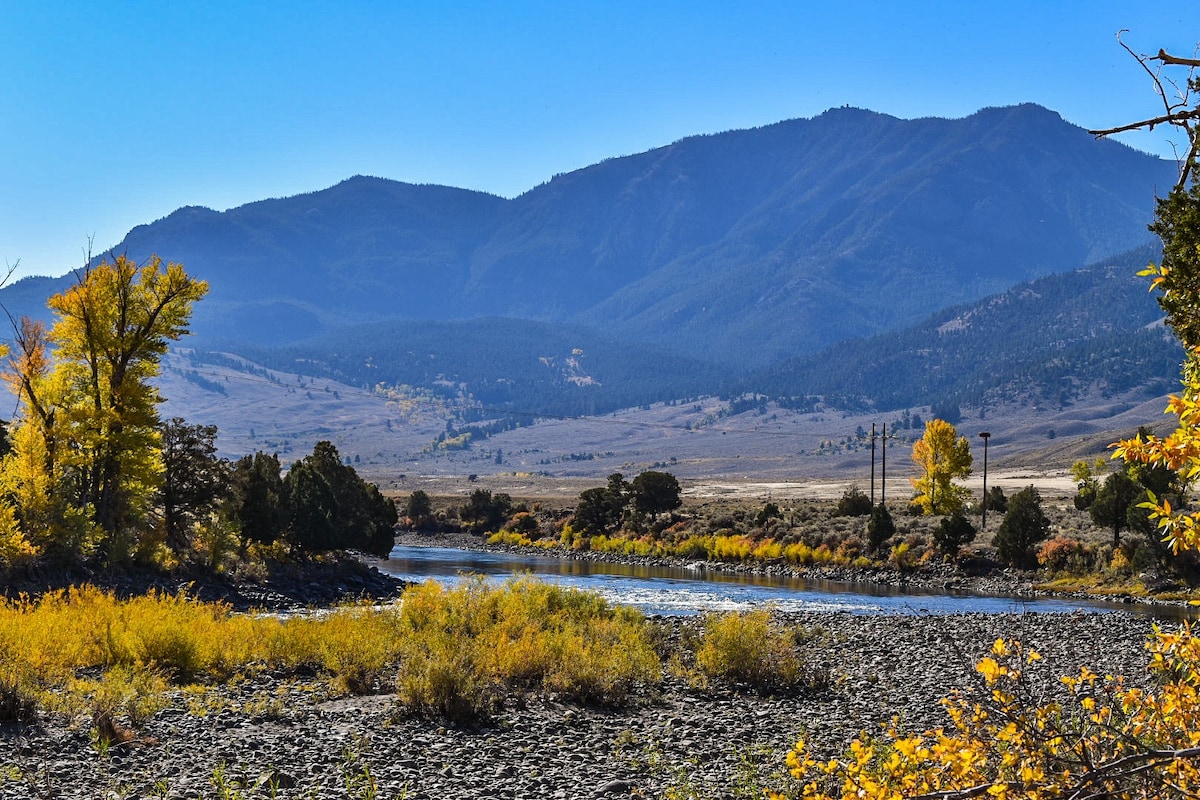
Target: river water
(662, 589)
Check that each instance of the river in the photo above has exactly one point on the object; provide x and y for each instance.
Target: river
(664, 589)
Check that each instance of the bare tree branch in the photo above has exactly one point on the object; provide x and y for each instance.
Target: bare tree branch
(1167, 58)
(1180, 108)
(1176, 118)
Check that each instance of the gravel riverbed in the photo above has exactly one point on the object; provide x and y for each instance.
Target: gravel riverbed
(240, 740)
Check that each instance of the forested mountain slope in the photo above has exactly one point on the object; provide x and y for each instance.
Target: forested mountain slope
(744, 247)
(1047, 341)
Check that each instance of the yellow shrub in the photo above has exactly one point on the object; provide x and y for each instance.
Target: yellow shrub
(798, 553)
(510, 538)
(457, 644)
(768, 550)
(696, 546)
(732, 548)
(742, 647)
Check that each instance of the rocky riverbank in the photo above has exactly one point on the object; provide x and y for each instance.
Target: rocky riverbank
(239, 740)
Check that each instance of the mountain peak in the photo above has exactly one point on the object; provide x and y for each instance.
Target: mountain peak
(748, 246)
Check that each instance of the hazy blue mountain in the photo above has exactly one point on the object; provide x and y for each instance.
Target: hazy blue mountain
(681, 266)
(751, 244)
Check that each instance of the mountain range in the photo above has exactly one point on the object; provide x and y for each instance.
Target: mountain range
(826, 256)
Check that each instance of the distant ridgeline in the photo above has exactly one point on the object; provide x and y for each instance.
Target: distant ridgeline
(796, 260)
(1045, 341)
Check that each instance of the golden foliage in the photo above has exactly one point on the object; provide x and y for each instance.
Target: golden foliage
(1179, 451)
(941, 455)
(743, 647)
(1102, 739)
(457, 645)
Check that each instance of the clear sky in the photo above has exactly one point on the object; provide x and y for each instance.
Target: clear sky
(117, 113)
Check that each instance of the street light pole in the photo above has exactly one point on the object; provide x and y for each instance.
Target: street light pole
(985, 436)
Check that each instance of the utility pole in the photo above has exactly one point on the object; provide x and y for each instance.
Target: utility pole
(883, 478)
(872, 465)
(985, 436)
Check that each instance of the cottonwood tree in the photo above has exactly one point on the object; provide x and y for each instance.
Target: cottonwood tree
(86, 449)
(941, 456)
(112, 328)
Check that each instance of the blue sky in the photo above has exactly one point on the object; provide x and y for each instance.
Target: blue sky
(115, 114)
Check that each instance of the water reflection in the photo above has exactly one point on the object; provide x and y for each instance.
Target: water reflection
(662, 589)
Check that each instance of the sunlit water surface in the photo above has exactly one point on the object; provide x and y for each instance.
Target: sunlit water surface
(661, 589)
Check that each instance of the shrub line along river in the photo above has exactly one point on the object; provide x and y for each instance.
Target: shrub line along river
(658, 588)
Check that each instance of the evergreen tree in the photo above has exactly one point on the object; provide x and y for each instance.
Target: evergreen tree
(602, 509)
(1024, 526)
(1111, 507)
(853, 503)
(880, 527)
(655, 493)
(312, 509)
(360, 516)
(485, 512)
(418, 509)
(256, 484)
(194, 481)
(952, 533)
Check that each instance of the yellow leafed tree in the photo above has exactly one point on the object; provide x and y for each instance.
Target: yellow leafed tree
(86, 451)
(941, 456)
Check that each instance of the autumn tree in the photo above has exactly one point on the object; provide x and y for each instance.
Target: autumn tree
(86, 441)
(941, 456)
(1177, 280)
(112, 328)
(1087, 480)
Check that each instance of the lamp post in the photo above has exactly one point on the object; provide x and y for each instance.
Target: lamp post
(985, 436)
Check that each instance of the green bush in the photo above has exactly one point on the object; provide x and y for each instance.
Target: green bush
(853, 503)
(880, 527)
(952, 533)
